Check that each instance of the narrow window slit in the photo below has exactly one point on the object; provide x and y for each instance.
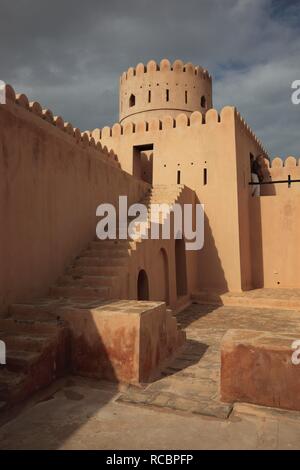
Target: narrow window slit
(205, 176)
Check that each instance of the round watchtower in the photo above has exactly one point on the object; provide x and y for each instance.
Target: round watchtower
(152, 91)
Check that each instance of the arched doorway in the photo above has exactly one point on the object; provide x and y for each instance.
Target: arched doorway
(164, 280)
(142, 286)
(180, 260)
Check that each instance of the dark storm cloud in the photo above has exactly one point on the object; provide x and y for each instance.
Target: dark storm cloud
(69, 54)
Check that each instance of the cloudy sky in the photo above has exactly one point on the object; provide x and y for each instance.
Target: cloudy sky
(68, 55)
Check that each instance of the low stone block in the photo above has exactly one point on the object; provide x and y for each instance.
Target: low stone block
(125, 341)
(256, 367)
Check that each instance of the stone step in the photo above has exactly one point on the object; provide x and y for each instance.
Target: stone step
(13, 325)
(102, 246)
(167, 207)
(98, 261)
(32, 361)
(27, 342)
(141, 226)
(10, 384)
(165, 192)
(108, 243)
(162, 195)
(76, 292)
(41, 310)
(106, 253)
(158, 187)
(87, 281)
(161, 199)
(95, 270)
(20, 360)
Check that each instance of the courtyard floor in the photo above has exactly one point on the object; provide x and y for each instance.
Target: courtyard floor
(181, 410)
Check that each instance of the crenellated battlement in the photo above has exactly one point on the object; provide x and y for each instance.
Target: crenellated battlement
(286, 162)
(165, 66)
(281, 169)
(82, 138)
(196, 119)
(158, 89)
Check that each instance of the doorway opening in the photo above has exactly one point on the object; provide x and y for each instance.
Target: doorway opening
(164, 269)
(180, 260)
(142, 286)
(143, 162)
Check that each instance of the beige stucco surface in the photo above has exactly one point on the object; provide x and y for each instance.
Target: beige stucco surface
(50, 188)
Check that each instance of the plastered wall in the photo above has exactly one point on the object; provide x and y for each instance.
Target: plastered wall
(52, 178)
(268, 225)
(275, 239)
(246, 144)
(279, 169)
(205, 150)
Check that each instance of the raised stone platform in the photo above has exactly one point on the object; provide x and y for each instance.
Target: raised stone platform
(283, 299)
(125, 341)
(256, 367)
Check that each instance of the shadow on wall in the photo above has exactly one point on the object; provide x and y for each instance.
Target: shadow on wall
(257, 267)
(211, 273)
(162, 265)
(266, 189)
(180, 265)
(256, 242)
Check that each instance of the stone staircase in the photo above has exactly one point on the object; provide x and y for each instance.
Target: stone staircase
(36, 354)
(160, 194)
(37, 340)
(96, 273)
(99, 272)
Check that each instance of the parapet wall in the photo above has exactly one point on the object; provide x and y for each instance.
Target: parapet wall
(109, 136)
(52, 179)
(281, 169)
(165, 66)
(82, 138)
(274, 223)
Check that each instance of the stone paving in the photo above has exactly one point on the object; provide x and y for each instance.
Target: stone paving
(191, 382)
(279, 298)
(78, 413)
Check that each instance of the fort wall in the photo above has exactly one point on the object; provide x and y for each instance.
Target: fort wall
(246, 144)
(52, 179)
(201, 149)
(280, 169)
(275, 232)
(274, 219)
(268, 224)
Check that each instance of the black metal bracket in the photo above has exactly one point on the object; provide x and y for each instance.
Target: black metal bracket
(289, 182)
